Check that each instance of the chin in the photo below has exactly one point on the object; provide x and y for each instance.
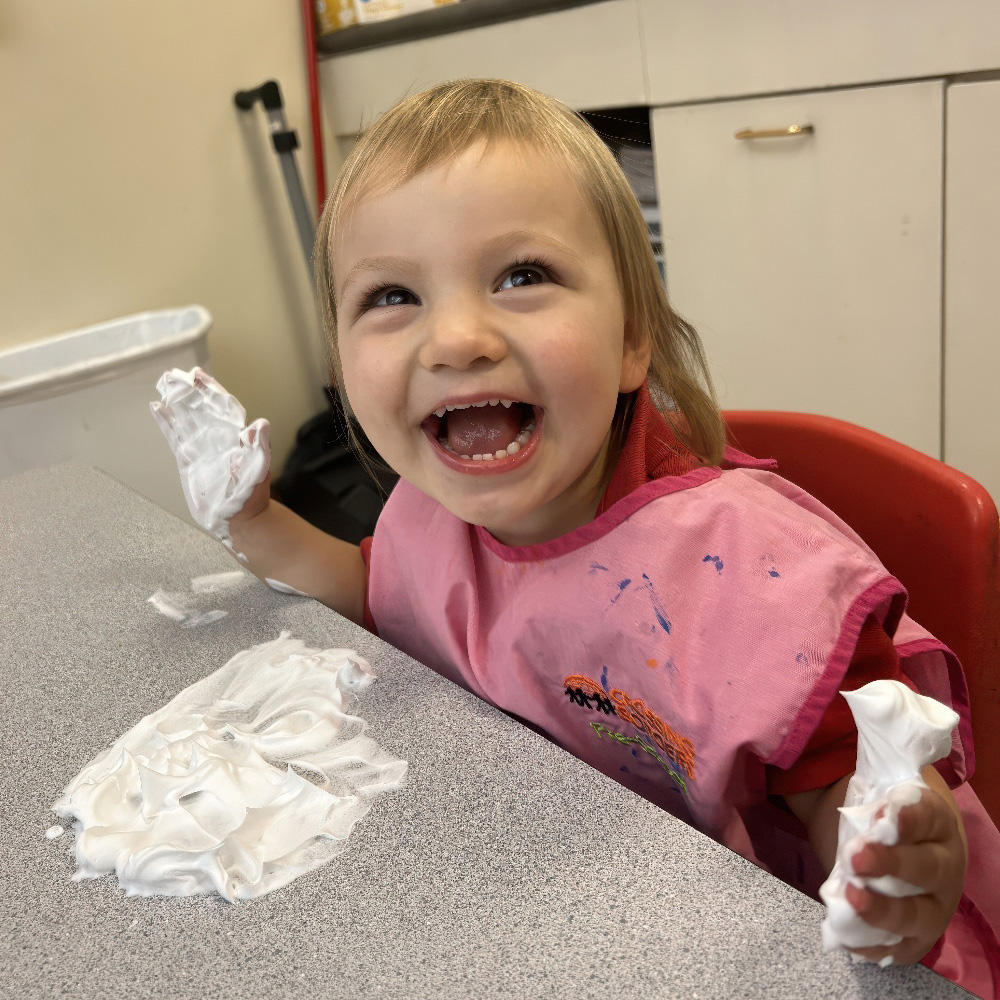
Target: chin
(486, 516)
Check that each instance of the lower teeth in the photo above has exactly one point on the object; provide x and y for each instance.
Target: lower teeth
(516, 444)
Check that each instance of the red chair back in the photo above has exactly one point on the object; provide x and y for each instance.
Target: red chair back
(935, 529)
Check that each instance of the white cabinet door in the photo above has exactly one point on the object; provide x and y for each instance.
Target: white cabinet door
(699, 49)
(590, 57)
(811, 264)
(972, 283)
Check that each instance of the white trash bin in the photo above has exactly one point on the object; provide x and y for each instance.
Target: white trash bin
(84, 396)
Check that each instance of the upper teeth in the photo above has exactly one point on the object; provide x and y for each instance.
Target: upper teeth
(464, 406)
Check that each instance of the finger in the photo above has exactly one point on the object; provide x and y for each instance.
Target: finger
(907, 916)
(931, 866)
(259, 433)
(159, 412)
(908, 950)
(203, 380)
(929, 819)
(875, 954)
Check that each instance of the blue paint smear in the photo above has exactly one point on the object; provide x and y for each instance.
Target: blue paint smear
(717, 560)
(621, 585)
(658, 609)
(773, 572)
(604, 678)
(596, 566)
(635, 753)
(624, 768)
(801, 658)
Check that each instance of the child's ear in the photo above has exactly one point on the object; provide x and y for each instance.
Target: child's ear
(636, 352)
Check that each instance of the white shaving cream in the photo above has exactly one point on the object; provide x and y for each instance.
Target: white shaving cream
(215, 583)
(244, 781)
(219, 458)
(183, 610)
(899, 732)
(195, 608)
(283, 588)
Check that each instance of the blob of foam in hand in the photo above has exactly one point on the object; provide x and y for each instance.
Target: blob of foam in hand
(899, 732)
(220, 459)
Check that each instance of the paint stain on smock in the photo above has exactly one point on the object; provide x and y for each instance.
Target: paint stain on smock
(716, 560)
(658, 609)
(621, 585)
(767, 559)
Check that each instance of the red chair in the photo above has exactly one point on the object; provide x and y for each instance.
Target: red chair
(935, 529)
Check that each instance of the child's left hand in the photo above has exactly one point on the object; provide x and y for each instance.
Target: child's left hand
(931, 853)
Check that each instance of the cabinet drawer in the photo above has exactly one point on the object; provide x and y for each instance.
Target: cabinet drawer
(590, 57)
(725, 48)
(811, 265)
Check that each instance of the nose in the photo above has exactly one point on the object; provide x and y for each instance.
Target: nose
(458, 335)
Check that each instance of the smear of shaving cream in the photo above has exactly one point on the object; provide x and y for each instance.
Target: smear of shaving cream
(183, 610)
(899, 732)
(195, 608)
(215, 583)
(54, 832)
(283, 588)
(244, 781)
(219, 458)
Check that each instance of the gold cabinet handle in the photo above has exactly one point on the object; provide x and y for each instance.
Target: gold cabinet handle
(772, 133)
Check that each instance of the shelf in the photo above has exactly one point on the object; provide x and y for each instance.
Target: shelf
(439, 21)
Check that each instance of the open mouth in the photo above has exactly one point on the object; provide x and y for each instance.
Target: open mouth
(489, 435)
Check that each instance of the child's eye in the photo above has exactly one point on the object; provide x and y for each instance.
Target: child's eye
(524, 273)
(384, 296)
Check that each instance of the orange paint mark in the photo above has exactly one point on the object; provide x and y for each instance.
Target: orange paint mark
(651, 663)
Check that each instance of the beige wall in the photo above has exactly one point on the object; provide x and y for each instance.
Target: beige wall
(129, 181)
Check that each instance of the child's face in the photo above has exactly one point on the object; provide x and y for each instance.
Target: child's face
(488, 278)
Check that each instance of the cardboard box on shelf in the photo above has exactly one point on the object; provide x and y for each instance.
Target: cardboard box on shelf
(333, 15)
(381, 10)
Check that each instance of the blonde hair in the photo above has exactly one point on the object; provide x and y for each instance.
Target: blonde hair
(439, 124)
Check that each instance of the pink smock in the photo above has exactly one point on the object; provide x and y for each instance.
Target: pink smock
(692, 634)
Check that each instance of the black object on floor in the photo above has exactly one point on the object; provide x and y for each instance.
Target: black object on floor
(325, 482)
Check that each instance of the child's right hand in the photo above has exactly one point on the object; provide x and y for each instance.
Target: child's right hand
(223, 464)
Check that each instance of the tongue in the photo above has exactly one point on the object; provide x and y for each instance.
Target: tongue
(483, 430)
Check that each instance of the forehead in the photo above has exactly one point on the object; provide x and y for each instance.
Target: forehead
(483, 186)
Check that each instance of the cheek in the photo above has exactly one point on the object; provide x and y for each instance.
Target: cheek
(357, 383)
(374, 388)
(585, 351)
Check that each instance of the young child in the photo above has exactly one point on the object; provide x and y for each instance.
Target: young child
(665, 608)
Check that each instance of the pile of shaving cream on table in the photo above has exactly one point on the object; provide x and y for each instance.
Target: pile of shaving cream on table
(898, 733)
(244, 781)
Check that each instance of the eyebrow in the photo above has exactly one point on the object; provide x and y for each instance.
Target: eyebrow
(384, 262)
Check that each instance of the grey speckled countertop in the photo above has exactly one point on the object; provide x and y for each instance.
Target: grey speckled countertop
(504, 868)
